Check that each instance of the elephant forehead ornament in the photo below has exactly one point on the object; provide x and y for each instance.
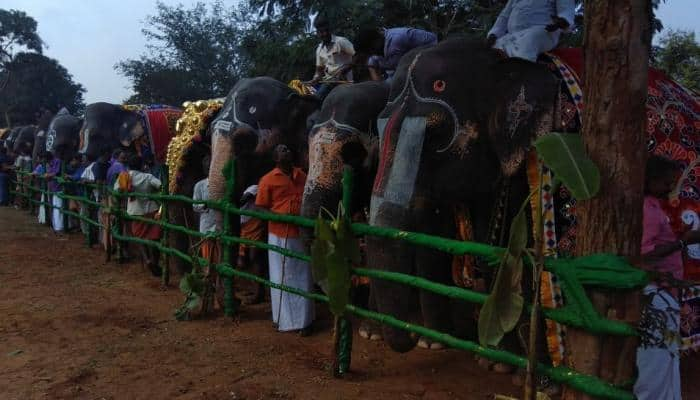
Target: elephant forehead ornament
(189, 129)
(325, 149)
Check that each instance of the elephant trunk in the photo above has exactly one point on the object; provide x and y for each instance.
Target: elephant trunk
(221, 154)
(396, 256)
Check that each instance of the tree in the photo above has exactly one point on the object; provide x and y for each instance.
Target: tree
(17, 31)
(679, 55)
(37, 82)
(192, 54)
(617, 39)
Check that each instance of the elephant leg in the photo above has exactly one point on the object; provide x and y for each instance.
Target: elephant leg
(368, 328)
(178, 216)
(435, 308)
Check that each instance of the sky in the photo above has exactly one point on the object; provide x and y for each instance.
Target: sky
(89, 37)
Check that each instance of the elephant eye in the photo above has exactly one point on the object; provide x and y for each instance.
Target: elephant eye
(439, 86)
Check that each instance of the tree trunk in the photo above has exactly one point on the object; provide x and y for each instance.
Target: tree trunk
(616, 54)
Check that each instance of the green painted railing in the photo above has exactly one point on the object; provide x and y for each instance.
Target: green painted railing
(598, 270)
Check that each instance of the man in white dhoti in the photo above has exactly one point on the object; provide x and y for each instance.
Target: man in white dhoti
(527, 28)
(280, 191)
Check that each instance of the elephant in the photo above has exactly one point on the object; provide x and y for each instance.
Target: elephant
(43, 121)
(63, 135)
(455, 133)
(345, 134)
(258, 114)
(23, 140)
(108, 127)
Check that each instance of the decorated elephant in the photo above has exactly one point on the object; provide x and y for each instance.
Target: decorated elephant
(259, 113)
(63, 135)
(186, 151)
(146, 129)
(345, 134)
(454, 138)
(23, 139)
(44, 119)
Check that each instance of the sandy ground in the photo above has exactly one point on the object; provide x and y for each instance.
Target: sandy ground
(73, 327)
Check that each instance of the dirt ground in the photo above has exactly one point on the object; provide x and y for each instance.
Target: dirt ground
(73, 327)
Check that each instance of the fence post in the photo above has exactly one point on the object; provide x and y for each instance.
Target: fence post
(164, 258)
(230, 173)
(342, 332)
(48, 200)
(62, 190)
(107, 228)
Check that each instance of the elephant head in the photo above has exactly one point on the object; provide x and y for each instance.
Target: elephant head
(344, 134)
(258, 114)
(460, 118)
(63, 135)
(24, 139)
(107, 127)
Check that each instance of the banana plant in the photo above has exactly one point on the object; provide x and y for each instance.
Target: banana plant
(565, 156)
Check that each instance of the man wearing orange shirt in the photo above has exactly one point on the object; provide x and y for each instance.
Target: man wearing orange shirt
(280, 191)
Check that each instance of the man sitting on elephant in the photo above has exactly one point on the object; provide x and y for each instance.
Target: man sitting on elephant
(386, 47)
(526, 28)
(333, 58)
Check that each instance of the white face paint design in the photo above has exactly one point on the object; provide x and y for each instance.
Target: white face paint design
(50, 139)
(690, 217)
(252, 109)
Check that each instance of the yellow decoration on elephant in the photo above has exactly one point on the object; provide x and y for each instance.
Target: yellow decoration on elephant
(191, 125)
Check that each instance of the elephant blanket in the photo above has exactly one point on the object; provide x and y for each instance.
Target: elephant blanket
(159, 122)
(673, 129)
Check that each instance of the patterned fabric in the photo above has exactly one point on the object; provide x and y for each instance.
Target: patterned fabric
(673, 128)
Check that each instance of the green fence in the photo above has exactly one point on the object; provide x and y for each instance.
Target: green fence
(601, 271)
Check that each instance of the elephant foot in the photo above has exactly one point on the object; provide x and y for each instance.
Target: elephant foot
(370, 331)
(426, 343)
(499, 368)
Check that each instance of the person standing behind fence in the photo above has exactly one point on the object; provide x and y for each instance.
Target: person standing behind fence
(53, 170)
(39, 172)
(23, 164)
(119, 160)
(5, 169)
(280, 191)
(658, 354)
(136, 181)
(250, 256)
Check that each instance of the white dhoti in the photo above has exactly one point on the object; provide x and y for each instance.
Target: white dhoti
(42, 210)
(528, 43)
(56, 216)
(290, 311)
(659, 375)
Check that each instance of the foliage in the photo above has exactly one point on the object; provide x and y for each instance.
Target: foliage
(334, 251)
(17, 29)
(192, 54)
(17, 32)
(679, 55)
(504, 305)
(37, 82)
(193, 286)
(564, 154)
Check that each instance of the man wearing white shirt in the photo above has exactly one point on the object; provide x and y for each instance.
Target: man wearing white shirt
(333, 58)
(527, 28)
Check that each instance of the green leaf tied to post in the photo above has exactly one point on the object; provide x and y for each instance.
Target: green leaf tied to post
(565, 155)
(333, 253)
(504, 305)
(192, 285)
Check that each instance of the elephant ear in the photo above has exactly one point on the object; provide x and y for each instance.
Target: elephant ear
(524, 96)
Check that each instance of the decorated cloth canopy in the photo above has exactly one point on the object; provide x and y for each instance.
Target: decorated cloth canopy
(673, 130)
